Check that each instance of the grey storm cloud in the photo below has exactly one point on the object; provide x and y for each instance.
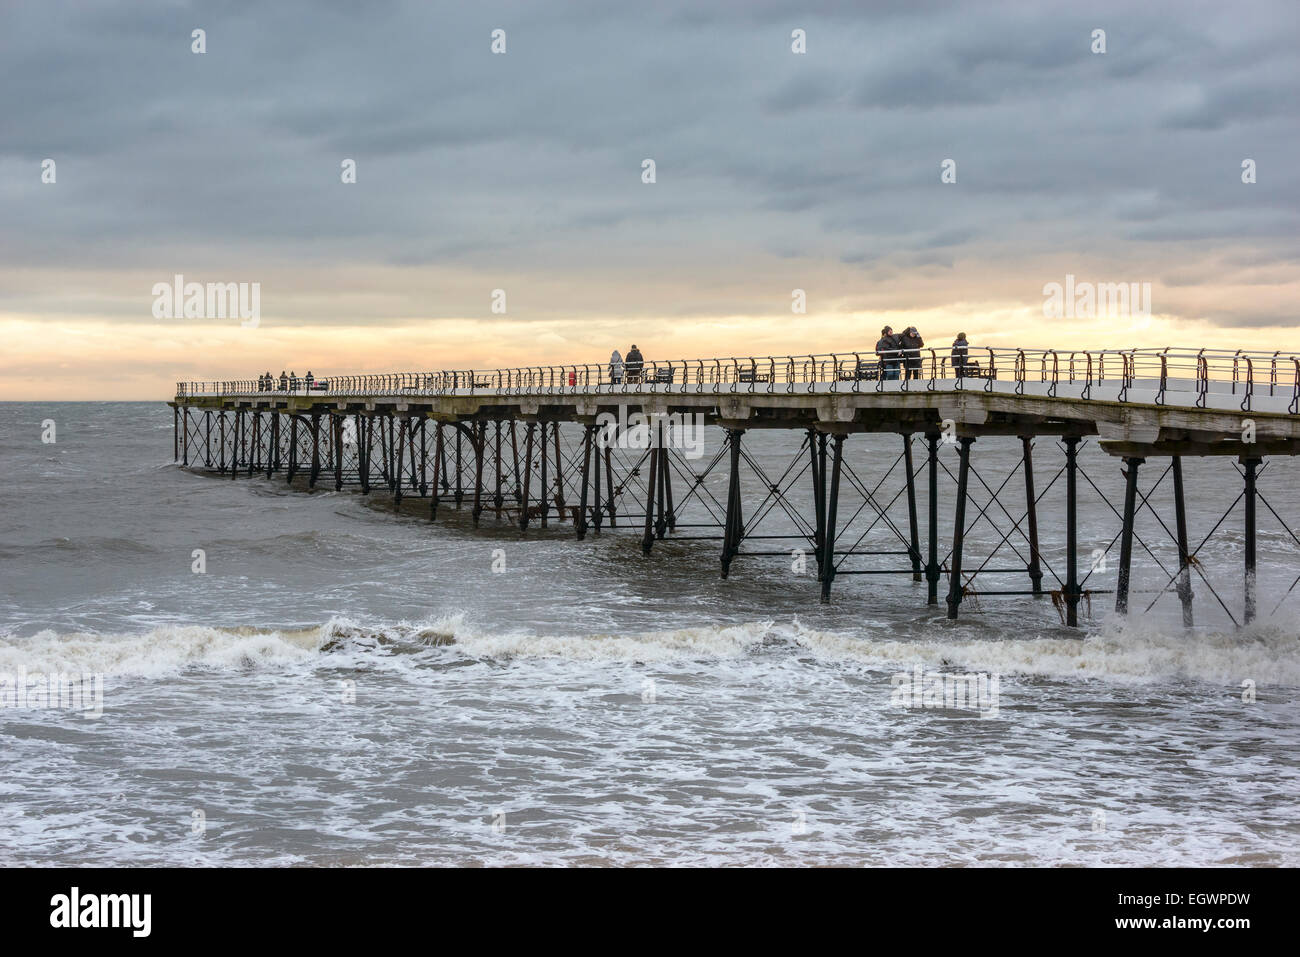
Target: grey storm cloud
(533, 159)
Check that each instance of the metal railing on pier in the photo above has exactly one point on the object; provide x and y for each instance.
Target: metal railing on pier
(1158, 372)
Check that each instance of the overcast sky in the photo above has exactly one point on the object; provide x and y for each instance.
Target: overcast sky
(523, 172)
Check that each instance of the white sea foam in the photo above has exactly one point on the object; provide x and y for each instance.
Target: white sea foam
(1126, 652)
(160, 651)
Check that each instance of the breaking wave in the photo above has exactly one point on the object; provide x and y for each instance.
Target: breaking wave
(1124, 652)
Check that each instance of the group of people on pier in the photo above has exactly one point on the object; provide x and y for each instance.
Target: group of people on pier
(288, 382)
(626, 370)
(898, 355)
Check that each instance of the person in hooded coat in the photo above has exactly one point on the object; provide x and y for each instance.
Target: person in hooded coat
(910, 343)
(615, 368)
(960, 350)
(887, 350)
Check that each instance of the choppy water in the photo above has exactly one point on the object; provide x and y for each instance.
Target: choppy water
(589, 704)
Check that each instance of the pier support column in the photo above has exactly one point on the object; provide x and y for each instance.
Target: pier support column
(580, 525)
(459, 492)
(238, 442)
(424, 456)
(255, 453)
(1126, 533)
(293, 449)
(661, 524)
(393, 457)
(413, 476)
(273, 449)
(439, 466)
(816, 468)
(480, 453)
(1031, 514)
(559, 472)
(185, 451)
(528, 475)
(365, 440)
(544, 491)
(648, 535)
(176, 433)
(733, 531)
(667, 483)
(315, 450)
(207, 438)
(1251, 466)
(514, 452)
(832, 507)
(955, 589)
(337, 422)
(597, 511)
(932, 572)
(397, 459)
(498, 499)
(1072, 530)
(609, 485)
(1180, 523)
(915, 547)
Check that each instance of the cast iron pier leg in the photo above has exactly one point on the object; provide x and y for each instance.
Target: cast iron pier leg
(915, 547)
(932, 565)
(1031, 512)
(1184, 564)
(528, 475)
(480, 453)
(661, 525)
(1071, 530)
(580, 525)
(460, 492)
(544, 491)
(648, 535)
(596, 511)
(955, 589)
(832, 506)
(1250, 464)
(816, 468)
(315, 449)
(439, 464)
(1126, 534)
(498, 500)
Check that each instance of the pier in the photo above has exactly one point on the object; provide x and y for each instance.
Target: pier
(563, 444)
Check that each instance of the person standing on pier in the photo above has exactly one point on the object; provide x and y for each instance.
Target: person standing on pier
(308, 379)
(615, 368)
(960, 349)
(887, 350)
(634, 364)
(910, 343)
(284, 381)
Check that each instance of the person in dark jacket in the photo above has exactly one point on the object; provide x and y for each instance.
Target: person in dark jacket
(887, 350)
(284, 381)
(309, 379)
(910, 343)
(633, 364)
(960, 348)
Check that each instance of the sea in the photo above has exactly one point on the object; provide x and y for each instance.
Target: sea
(271, 675)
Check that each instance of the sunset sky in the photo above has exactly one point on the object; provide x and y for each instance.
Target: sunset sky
(522, 171)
